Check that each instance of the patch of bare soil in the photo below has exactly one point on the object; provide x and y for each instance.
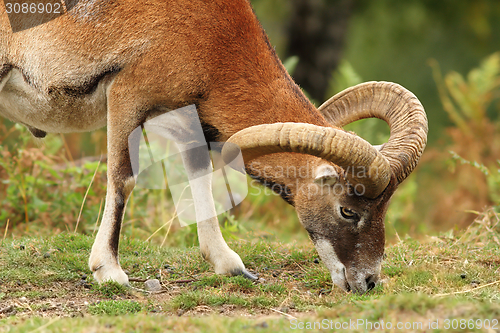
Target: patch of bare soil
(60, 299)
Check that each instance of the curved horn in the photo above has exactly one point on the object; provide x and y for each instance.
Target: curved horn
(398, 107)
(352, 153)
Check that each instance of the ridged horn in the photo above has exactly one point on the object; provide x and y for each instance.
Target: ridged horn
(363, 163)
(398, 107)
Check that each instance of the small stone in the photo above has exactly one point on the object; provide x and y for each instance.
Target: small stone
(136, 253)
(284, 309)
(180, 312)
(152, 285)
(23, 299)
(8, 309)
(316, 261)
(46, 255)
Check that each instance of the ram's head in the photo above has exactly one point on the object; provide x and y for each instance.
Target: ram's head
(343, 200)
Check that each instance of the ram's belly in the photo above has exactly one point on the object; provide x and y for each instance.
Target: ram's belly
(52, 112)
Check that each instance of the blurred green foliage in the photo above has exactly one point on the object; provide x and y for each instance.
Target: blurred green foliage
(471, 103)
(39, 184)
(466, 101)
(392, 40)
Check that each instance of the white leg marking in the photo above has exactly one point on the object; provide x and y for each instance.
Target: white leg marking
(103, 259)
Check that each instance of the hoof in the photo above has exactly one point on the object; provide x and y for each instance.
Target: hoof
(117, 274)
(246, 274)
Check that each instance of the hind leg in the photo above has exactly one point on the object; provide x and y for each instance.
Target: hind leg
(213, 247)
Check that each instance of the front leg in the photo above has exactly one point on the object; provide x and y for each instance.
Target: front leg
(103, 261)
(213, 247)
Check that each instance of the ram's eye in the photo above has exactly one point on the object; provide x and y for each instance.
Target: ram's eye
(348, 213)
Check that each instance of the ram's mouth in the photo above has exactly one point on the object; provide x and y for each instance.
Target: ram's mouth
(359, 288)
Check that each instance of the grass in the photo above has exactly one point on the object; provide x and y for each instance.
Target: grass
(45, 285)
(114, 308)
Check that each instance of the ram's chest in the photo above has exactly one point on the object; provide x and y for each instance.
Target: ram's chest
(52, 110)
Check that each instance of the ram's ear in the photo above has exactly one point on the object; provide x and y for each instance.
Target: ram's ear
(326, 175)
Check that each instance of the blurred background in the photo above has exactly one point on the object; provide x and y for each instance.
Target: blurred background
(446, 52)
